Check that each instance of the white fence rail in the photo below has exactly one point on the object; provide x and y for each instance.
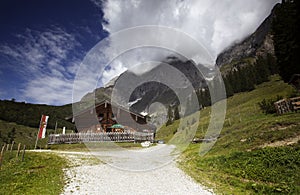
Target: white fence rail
(100, 137)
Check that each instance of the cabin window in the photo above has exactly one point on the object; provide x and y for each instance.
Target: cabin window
(101, 115)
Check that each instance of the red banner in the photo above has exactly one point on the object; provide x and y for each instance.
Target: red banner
(43, 125)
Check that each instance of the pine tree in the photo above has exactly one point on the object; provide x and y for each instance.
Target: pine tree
(272, 64)
(236, 81)
(262, 70)
(176, 113)
(285, 27)
(249, 82)
(170, 116)
(228, 87)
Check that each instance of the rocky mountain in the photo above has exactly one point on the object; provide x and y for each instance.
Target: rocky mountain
(149, 87)
(259, 43)
(156, 85)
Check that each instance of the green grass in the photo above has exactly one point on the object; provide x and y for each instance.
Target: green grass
(167, 132)
(39, 173)
(262, 171)
(235, 164)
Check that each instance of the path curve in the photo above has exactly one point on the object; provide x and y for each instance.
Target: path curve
(102, 178)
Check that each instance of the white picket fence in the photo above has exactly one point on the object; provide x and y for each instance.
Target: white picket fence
(100, 137)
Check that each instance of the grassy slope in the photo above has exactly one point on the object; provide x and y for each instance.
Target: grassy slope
(236, 162)
(39, 173)
(24, 135)
(30, 114)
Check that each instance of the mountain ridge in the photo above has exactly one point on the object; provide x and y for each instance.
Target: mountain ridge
(259, 43)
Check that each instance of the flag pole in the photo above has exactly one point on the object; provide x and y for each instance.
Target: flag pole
(37, 135)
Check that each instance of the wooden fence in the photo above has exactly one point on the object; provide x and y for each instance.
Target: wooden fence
(100, 137)
(282, 106)
(295, 103)
(287, 105)
(6, 148)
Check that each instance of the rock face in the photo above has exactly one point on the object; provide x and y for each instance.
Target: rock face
(260, 43)
(257, 44)
(156, 85)
(173, 82)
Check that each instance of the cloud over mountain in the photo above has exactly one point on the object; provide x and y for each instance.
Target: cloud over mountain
(215, 24)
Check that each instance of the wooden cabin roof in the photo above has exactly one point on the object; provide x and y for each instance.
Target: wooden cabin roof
(100, 104)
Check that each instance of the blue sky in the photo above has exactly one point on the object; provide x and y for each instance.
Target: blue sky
(42, 43)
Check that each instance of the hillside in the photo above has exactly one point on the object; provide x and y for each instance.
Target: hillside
(30, 114)
(10, 131)
(19, 121)
(228, 167)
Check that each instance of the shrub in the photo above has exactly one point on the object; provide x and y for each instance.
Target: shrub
(267, 105)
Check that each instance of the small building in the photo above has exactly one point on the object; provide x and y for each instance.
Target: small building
(282, 106)
(105, 117)
(295, 103)
(287, 105)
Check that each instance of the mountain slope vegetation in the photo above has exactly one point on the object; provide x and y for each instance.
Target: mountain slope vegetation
(19, 121)
(30, 114)
(242, 161)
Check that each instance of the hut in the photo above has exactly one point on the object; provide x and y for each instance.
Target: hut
(106, 117)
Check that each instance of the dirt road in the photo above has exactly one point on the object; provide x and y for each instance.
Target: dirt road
(153, 175)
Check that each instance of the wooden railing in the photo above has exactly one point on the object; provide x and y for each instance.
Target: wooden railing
(282, 106)
(287, 105)
(100, 137)
(295, 103)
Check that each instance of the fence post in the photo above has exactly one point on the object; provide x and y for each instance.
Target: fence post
(23, 154)
(12, 145)
(18, 152)
(1, 155)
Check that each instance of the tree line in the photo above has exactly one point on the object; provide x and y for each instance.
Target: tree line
(285, 28)
(242, 79)
(30, 114)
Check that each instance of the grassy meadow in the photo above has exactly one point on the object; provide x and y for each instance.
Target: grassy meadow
(244, 160)
(39, 173)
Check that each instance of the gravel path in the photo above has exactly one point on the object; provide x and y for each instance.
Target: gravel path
(103, 178)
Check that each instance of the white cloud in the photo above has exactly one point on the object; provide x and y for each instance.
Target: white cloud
(44, 58)
(49, 90)
(114, 70)
(217, 23)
